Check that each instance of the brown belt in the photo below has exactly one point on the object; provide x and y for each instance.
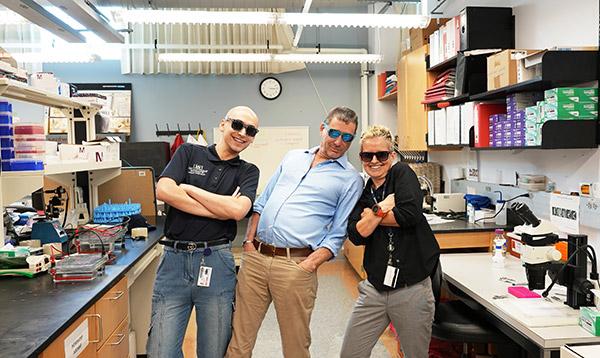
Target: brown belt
(270, 250)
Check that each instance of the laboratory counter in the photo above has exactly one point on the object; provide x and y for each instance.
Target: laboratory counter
(450, 235)
(34, 312)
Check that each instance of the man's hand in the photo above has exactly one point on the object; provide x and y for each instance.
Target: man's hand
(308, 266)
(248, 246)
(388, 203)
(366, 212)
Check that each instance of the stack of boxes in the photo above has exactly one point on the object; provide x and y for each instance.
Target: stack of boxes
(560, 104)
(23, 145)
(509, 130)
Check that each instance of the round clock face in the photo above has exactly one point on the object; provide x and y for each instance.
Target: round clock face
(270, 88)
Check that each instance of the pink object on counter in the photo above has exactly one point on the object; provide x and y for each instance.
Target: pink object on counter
(522, 292)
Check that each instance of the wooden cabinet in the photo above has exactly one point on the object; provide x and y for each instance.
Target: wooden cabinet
(117, 344)
(454, 240)
(112, 308)
(412, 117)
(107, 328)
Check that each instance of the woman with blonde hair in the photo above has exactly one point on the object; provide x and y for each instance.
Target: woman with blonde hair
(400, 254)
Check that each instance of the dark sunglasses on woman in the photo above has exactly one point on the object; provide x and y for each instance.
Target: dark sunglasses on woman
(368, 156)
(238, 124)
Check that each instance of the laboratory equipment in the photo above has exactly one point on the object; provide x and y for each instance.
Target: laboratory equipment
(28, 265)
(539, 256)
(79, 267)
(449, 203)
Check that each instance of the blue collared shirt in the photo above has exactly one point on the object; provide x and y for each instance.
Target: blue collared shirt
(308, 207)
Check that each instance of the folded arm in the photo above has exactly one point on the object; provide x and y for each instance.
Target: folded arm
(223, 206)
(168, 191)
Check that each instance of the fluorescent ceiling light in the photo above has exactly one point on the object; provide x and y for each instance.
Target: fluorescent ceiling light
(254, 57)
(43, 18)
(88, 15)
(261, 18)
(63, 57)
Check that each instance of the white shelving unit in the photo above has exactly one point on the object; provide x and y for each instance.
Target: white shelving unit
(15, 185)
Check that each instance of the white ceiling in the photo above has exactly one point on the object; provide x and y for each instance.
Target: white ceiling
(288, 4)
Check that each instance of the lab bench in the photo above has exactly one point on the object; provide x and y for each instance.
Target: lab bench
(41, 318)
(456, 234)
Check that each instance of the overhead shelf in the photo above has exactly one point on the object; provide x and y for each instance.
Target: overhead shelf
(10, 89)
(559, 69)
(442, 66)
(75, 166)
(563, 134)
(16, 185)
(389, 96)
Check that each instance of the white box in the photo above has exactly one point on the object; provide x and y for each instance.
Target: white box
(44, 81)
(466, 121)
(431, 127)
(529, 66)
(440, 127)
(453, 125)
(92, 152)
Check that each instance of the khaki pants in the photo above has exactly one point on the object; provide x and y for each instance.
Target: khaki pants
(293, 290)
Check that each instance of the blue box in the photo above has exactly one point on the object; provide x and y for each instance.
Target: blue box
(6, 130)
(7, 153)
(5, 118)
(7, 142)
(5, 106)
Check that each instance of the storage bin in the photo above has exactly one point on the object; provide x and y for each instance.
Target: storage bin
(27, 128)
(7, 142)
(7, 153)
(6, 129)
(5, 118)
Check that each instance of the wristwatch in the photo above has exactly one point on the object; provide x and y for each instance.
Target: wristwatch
(378, 211)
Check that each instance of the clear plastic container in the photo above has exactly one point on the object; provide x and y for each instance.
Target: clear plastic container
(28, 128)
(29, 137)
(6, 129)
(30, 146)
(34, 154)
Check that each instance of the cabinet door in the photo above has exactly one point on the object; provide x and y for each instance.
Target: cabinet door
(412, 84)
(112, 309)
(72, 337)
(117, 344)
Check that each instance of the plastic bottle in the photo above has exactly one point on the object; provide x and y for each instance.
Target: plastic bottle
(500, 212)
(499, 241)
(471, 213)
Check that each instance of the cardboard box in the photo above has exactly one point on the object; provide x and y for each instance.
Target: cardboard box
(529, 66)
(571, 110)
(571, 94)
(589, 319)
(502, 68)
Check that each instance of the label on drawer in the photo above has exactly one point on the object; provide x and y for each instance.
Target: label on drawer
(76, 342)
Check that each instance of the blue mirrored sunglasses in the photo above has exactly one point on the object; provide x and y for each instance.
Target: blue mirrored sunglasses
(334, 133)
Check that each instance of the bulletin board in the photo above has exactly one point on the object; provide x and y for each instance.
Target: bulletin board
(270, 146)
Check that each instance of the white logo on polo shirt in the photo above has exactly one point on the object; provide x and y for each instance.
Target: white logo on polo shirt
(197, 170)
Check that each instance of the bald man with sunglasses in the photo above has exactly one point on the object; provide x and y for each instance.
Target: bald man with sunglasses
(208, 190)
(299, 222)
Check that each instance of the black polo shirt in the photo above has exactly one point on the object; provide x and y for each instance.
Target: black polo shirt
(416, 250)
(201, 166)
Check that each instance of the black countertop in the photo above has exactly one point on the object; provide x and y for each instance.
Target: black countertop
(34, 312)
(465, 226)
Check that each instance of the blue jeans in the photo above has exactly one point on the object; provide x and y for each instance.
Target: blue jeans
(175, 294)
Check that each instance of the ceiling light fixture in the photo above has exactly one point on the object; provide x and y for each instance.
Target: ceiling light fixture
(262, 18)
(250, 57)
(64, 57)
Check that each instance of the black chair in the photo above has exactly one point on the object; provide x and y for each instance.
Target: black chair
(455, 321)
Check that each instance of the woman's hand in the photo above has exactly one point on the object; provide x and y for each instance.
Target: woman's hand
(388, 203)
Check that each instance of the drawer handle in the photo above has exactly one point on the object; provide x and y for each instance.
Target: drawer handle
(119, 295)
(100, 337)
(120, 340)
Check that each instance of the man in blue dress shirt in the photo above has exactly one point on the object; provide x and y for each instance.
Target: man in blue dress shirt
(299, 222)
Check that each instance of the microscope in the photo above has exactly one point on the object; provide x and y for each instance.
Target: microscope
(540, 256)
(49, 230)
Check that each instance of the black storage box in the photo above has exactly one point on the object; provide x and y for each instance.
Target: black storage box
(486, 28)
(471, 74)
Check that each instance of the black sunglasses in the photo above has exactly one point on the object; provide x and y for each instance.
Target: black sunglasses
(368, 156)
(238, 124)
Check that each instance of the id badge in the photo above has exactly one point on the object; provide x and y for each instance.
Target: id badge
(204, 276)
(391, 276)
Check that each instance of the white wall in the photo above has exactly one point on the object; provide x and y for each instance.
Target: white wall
(541, 24)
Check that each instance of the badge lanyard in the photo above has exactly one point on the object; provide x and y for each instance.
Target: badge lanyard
(390, 233)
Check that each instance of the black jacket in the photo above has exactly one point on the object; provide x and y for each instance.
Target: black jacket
(416, 249)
